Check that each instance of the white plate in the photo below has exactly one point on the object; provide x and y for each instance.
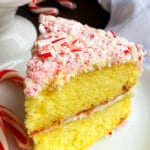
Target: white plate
(132, 135)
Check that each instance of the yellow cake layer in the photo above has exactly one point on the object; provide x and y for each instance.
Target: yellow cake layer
(80, 134)
(80, 93)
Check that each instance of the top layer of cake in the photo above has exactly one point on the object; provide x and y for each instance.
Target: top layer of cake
(67, 48)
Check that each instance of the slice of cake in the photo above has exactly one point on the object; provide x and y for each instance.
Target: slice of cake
(78, 84)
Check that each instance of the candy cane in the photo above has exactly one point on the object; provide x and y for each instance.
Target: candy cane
(44, 10)
(11, 75)
(3, 138)
(15, 127)
(8, 119)
(50, 10)
(67, 3)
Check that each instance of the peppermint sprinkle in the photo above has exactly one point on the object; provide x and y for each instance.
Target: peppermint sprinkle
(67, 47)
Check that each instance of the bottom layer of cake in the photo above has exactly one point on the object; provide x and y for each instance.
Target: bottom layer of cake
(80, 134)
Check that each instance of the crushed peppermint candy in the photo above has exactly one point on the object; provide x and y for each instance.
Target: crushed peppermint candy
(66, 48)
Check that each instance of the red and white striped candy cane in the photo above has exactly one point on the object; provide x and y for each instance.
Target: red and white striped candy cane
(11, 75)
(34, 7)
(9, 120)
(3, 138)
(67, 3)
(44, 10)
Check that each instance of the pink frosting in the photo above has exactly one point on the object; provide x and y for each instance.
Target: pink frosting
(66, 48)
